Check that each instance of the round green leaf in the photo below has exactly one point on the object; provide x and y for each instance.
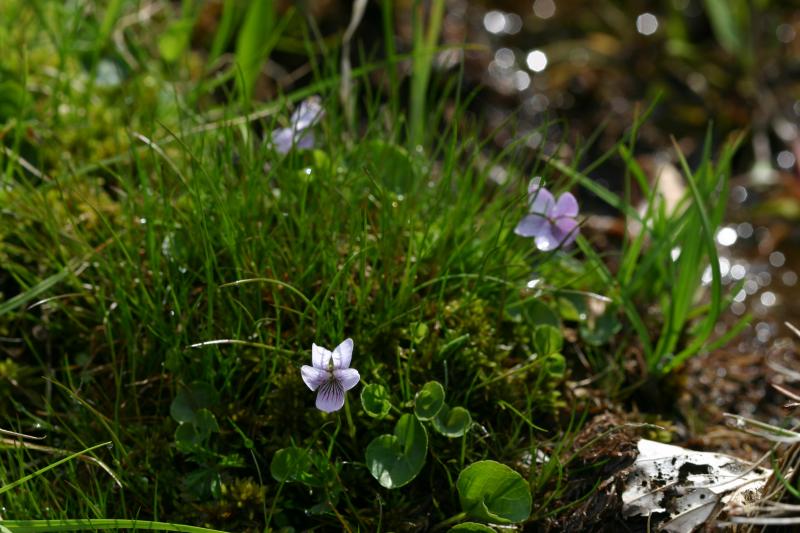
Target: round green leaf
(556, 365)
(572, 307)
(471, 527)
(533, 311)
(494, 492)
(175, 39)
(429, 400)
(204, 483)
(205, 422)
(547, 340)
(190, 435)
(375, 400)
(187, 437)
(196, 396)
(320, 159)
(452, 422)
(419, 332)
(602, 330)
(394, 460)
(289, 464)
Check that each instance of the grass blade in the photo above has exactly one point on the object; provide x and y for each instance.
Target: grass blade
(35, 291)
(25, 479)
(41, 526)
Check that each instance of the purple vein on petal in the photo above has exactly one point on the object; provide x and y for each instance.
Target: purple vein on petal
(330, 396)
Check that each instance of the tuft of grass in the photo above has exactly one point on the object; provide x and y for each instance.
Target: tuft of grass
(665, 260)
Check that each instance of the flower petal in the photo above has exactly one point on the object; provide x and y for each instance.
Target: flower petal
(304, 140)
(347, 377)
(564, 231)
(314, 377)
(282, 140)
(545, 241)
(330, 396)
(307, 114)
(320, 357)
(567, 206)
(342, 354)
(541, 201)
(532, 225)
(534, 185)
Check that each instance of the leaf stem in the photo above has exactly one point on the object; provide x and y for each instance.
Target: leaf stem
(452, 520)
(350, 425)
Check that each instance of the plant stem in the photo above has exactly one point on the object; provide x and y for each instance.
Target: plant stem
(452, 520)
(350, 425)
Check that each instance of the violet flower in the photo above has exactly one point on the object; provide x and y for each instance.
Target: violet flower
(299, 134)
(551, 223)
(331, 375)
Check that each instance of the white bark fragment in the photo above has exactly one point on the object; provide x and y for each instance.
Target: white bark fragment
(682, 489)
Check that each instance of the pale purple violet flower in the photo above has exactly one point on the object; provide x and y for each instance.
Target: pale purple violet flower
(331, 375)
(551, 223)
(299, 134)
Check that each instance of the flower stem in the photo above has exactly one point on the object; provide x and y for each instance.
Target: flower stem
(452, 520)
(350, 426)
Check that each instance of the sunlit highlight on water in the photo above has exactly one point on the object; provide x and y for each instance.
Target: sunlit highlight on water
(786, 159)
(745, 230)
(777, 259)
(544, 9)
(494, 21)
(536, 60)
(498, 22)
(727, 236)
(646, 24)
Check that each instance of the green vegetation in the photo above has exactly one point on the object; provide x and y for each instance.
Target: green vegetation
(164, 271)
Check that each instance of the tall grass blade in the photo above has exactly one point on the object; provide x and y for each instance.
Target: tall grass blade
(254, 44)
(35, 291)
(424, 47)
(25, 479)
(44, 526)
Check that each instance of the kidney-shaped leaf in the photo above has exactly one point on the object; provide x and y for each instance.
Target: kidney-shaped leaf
(471, 527)
(375, 400)
(206, 423)
(494, 492)
(602, 330)
(187, 437)
(429, 400)
(394, 460)
(547, 340)
(555, 365)
(289, 464)
(196, 396)
(452, 422)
